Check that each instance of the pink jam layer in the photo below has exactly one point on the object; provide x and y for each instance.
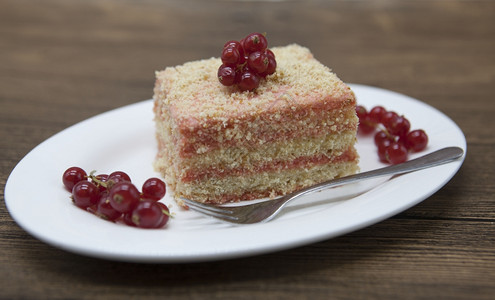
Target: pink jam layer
(300, 162)
(264, 128)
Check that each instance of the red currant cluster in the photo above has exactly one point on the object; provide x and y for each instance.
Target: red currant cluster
(114, 197)
(394, 138)
(246, 61)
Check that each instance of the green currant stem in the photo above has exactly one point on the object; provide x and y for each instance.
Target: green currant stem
(165, 212)
(95, 179)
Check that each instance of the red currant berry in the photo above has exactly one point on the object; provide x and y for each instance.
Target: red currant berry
(232, 43)
(382, 148)
(105, 210)
(396, 153)
(147, 214)
(237, 46)
(85, 194)
(258, 62)
(402, 140)
(388, 117)
(127, 219)
(399, 126)
(119, 174)
(153, 189)
(226, 75)
(254, 42)
(241, 41)
(361, 112)
(416, 140)
(272, 66)
(116, 177)
(124, 196)
(381, 136)
(376, 114)
(366, 126)
(166, 214)
(248, 81)
(238, 74)
(230, 56)
(72, 176)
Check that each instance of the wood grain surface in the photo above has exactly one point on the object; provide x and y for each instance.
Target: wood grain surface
(62, 62)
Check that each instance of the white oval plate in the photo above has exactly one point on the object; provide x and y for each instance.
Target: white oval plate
(123, 139)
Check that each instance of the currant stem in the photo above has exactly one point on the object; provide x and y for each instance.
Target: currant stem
(98, 181)
(165, 212)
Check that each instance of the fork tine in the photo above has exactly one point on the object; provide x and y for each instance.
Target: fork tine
(211, 210)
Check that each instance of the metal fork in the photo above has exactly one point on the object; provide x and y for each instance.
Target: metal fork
(265, 211)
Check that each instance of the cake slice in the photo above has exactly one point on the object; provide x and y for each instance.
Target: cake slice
(218, 145)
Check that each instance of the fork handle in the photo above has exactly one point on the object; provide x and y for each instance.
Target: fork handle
(436, 158)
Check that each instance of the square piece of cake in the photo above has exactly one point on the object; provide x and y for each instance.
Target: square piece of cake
(218, 145)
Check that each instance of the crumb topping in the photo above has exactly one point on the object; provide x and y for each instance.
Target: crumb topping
(195, 95)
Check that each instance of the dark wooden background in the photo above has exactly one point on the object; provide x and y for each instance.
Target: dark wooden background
(64, 61)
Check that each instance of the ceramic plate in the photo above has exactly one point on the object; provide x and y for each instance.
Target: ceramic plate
(45, 211)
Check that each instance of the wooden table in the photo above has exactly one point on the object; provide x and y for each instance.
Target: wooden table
(64, 61)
